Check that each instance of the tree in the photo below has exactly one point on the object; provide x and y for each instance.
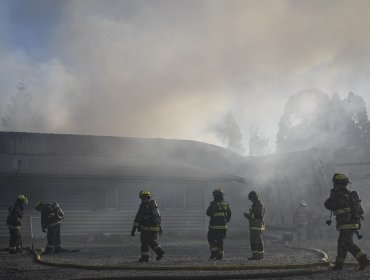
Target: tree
(258, 143)
(229, 133)
(19, 114)
(313, 119)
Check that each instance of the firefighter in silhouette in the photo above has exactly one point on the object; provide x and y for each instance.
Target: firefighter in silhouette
(148, 223)
(300, 220)
(347, 209)
(256, 226)
(15, 214)
(220, 214)
(51, 218)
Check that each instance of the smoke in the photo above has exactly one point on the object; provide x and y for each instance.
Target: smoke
(229, 133)
(169, 68)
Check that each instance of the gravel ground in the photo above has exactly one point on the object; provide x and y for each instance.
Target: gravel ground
(189, 252)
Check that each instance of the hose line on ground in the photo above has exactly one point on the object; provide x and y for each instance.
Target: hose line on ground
(321, 265)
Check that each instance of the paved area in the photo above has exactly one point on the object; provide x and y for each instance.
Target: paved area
(190, 252)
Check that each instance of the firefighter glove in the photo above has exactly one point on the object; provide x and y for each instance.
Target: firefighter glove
(248, 216)
(43, 229)
(133, 231)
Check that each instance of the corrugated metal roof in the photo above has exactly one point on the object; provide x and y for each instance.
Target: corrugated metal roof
(77, 155)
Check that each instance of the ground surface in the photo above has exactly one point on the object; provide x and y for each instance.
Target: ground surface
(191, 251)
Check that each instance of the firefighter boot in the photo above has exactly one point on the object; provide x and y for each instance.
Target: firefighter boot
(160, 253)
(144, 259)
(364, 262)
(256, 257)
(338, 266)
(214, 252)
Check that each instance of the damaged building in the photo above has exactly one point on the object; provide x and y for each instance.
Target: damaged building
(96, 180)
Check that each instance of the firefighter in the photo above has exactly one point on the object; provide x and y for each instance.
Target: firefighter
(14, 224)
(256, 226)
(347, 209)
(300, 220)
(148, 223)
(51, 218)
(220, 214)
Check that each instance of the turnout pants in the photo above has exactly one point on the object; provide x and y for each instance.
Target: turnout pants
(216, 242)
(256, 242)
(345, 244)
(301, 232)
(15, 241)
(53, 236)
(149, 239)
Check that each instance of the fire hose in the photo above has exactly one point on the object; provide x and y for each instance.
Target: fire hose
(280, 270)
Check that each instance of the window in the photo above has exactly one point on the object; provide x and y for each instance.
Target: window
(174, 199)
(111, 199)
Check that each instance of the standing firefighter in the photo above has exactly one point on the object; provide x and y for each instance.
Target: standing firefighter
(347, 209)
(148, 223)
(51, 218)
(14, 224)
(301, 220)
(256, 225)
(220, 213)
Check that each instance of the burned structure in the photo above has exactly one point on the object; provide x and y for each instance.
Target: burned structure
(97, 179)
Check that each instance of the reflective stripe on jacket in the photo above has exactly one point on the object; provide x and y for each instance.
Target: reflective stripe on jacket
(257, 220)
(148, 217)
(219, 213)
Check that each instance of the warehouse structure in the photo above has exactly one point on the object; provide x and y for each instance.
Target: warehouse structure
(96, 179)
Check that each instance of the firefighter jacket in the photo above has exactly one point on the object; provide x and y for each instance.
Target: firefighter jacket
(220, 214)
(148, 217)
(346, 207)
(15, 214)
(301, 216)
(51, 215)
(256, 216)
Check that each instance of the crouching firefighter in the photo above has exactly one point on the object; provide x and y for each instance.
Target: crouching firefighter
(347, 209)
(51, 218)
(148, 223)
(256, 226)
(220, 214)
(15, 214)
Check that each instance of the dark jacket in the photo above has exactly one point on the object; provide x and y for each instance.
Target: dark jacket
(148, 217)
(50, 216)
(257, 215)
(220, 214)
(15, 214)
(344, 205)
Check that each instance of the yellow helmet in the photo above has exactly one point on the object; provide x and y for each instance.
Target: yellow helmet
(22, 198)
(144, 194)
(341, 179)
(218, 191)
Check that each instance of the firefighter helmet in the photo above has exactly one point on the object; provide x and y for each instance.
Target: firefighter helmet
(218, 191)
(144, 194)
(252, 195)
(341, 179)
(39, 205)
(22, 199)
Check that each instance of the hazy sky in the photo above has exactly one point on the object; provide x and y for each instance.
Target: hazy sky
(172, 68)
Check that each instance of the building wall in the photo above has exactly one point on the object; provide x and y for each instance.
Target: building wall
(106, 207)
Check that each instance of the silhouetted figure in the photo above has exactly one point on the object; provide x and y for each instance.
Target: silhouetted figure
(51, 218)
(300, 220)
(15, 214)
(347, 209)
(148, 223)
(256, 226)
(220, 214)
